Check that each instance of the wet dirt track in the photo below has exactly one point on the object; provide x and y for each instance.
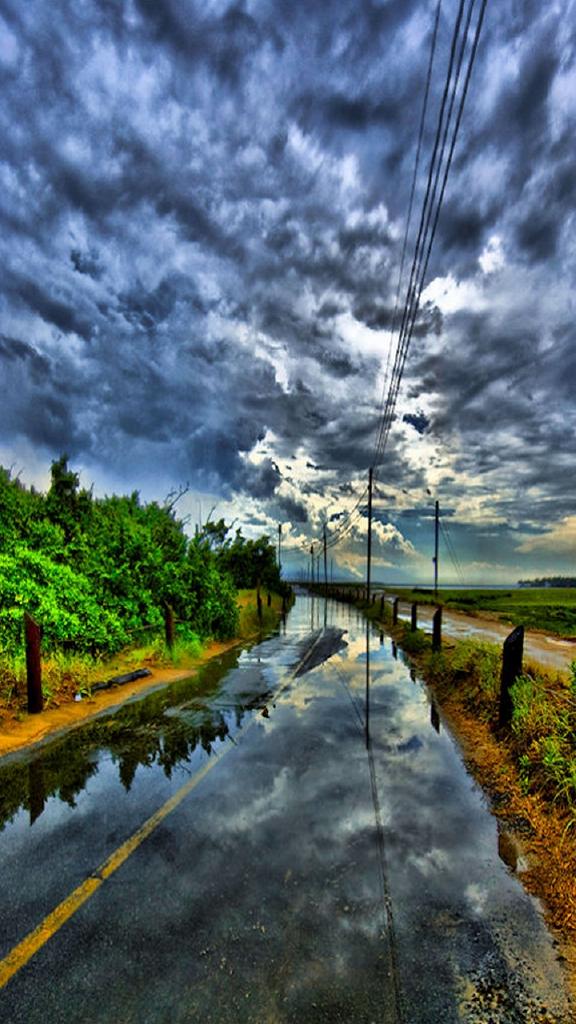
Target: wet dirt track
(319, 873)
(550, 651)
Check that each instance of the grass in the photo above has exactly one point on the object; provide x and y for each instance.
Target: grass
(65, 674)
(542, 736)
(552, 609)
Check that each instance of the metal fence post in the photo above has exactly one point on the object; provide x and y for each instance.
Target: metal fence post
(33, 634)
(512, 653)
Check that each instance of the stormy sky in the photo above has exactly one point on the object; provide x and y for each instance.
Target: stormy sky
(203, 208)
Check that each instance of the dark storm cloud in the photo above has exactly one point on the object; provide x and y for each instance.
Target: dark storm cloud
(12, 349)
(50, 308)
(203, 210)
(86, 262)
(419, 421)
(292, 510)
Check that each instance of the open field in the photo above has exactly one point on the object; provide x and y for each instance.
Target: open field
(551, 609)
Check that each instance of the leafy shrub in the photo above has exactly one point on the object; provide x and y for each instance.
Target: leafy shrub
(59, 599)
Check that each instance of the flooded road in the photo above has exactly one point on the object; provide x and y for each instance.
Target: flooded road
(315, 852)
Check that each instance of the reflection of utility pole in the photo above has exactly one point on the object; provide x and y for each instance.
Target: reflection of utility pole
(279, 549)
(367, 708)
(325, 565)
(436, 532)
(369, 553)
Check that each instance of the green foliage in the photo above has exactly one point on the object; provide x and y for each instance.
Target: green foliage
(544, 734)
(413, 641)
(60, 599)
(552, 609)
(94, 572)
(250, 563)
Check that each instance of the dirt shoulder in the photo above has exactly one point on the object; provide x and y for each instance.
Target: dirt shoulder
(20, 731)
(535, 839)
(550, 651)
(17, 734)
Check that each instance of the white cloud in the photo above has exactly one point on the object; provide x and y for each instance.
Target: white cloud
(559, 540)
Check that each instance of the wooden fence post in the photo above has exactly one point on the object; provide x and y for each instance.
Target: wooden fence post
(414, 617)
(269, 599)
(437, 630)
(169, 626)
(512, 653)
(395, 611)
(33, 634)
(381, 605)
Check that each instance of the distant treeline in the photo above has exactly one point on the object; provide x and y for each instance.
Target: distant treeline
(95, 571)
(550, 581)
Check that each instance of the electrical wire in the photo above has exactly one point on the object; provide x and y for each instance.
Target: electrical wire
(420, 266)
(437, 178)
(411, 201)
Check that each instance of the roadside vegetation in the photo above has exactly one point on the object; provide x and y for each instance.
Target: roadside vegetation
(551, 609)
(527, 769)
(542, 736)
(98, 573)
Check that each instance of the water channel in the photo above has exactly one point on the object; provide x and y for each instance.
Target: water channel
(338, 864)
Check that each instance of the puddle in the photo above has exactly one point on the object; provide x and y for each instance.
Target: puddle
(338, 864)
(549, 651)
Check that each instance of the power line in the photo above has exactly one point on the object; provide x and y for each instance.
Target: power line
(411, 200)
(438, 172)
(428, 215)
(452, 551)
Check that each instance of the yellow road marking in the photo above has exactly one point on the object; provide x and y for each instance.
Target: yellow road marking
(22, 953)
(19, 955)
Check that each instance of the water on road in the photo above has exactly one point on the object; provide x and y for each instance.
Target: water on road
(337, 864)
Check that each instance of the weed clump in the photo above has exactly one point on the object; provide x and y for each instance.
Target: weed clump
(544, 735)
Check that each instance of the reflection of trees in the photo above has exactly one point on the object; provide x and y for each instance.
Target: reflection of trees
(140, 734)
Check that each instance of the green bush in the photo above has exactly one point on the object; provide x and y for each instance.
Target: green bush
(59, 599)
(93, 572)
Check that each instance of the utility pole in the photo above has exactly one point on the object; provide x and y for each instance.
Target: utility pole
(279, 549)
(369, 553)
(311, 563)
(436, 532)
(325, 564)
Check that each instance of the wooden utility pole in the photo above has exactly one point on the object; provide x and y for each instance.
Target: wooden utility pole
(436, 533)
(33, 635)
(369, 551)
(325, 564)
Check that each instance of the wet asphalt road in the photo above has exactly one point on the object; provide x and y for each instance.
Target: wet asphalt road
(321, 871)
